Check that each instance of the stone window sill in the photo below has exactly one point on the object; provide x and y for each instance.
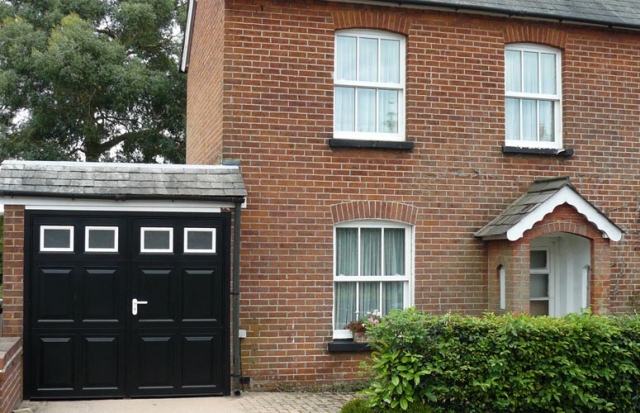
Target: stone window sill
(537, 151)
(348, 345)
(359, 143)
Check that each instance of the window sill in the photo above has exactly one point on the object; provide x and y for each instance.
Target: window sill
(348, 345)
(538, 151)
(360, 143)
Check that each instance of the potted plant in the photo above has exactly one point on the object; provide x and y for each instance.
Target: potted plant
(359, 328)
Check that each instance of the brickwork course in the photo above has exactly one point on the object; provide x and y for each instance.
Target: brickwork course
(260, 90)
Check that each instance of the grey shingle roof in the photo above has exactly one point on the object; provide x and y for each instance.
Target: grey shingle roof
(121, 181)
(537, 195)
(622, 13)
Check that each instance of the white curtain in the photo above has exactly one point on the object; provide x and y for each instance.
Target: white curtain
(345, 109)
(530, 72)
(368, 60)
(546, 126)
(513, 118)
(369, 298)
(548, 75)
(346, 58)
(529, 109)
(366, 110)
(388, 111)
(394, 259)
(346, 264)
(513, 81)
(389, 61)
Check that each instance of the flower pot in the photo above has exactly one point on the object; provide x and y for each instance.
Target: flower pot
(359, 337)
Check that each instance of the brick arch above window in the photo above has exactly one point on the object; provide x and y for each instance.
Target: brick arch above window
(362, 19)
(535, 34)
(391, 211)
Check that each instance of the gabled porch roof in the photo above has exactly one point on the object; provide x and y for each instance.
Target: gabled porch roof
(541, 199)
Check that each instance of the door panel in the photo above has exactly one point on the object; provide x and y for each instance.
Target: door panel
(200, 359)
(84, 341)
(100, 288)
(197, 304)
(54, 358)
(55, 295)
(155, 363)
(102, 363)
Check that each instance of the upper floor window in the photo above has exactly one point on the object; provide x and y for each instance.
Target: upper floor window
(533, 98)
(373, 271)
(369, 85)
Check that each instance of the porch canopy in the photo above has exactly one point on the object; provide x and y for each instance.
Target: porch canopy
(541, 199)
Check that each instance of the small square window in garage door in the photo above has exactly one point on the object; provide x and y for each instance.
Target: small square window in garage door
(156, 240)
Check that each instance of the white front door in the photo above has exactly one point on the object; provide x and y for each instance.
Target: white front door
(559, 269)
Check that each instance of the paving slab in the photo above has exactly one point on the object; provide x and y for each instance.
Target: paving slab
(248, 402)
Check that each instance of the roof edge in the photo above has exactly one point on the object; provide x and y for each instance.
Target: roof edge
(186, 44)
(116, 165)
(122, 197)
(566, 195)
(502, 11)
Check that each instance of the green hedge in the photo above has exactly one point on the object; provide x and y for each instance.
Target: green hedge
(495, 364)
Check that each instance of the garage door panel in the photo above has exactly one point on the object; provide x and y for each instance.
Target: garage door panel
(55, 290)
(197, 302)
(201, 357)
(103, 362)
(155, 362)
(101, 295)
(156, 287)
(54, 357)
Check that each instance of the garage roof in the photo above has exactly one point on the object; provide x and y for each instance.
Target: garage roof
(121, 181)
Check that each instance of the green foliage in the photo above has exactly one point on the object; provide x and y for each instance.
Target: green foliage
(579, 363)
(356, 406)
(92, 79)
(364, 406)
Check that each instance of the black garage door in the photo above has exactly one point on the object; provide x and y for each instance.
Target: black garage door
(126, 305)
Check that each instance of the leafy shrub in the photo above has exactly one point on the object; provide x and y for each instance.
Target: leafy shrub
(356, 406)
(363, 406)
(495, 364)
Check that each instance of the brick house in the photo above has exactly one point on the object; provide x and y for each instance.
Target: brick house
(463, 156)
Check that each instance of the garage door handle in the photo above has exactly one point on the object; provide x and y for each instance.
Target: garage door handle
(134, 305)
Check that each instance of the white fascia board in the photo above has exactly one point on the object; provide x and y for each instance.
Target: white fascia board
(67, 204)
(187, 37)
(568, 196)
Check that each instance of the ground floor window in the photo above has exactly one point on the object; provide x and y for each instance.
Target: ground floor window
(373, 271)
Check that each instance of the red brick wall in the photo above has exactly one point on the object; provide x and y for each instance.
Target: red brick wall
(205, 84)
(277, 118)
(13, 271)
(10, 373)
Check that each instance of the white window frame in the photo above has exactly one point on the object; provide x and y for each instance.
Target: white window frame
(88, 229)
(409, 294)
(502, 281)
(399, 87)
(69, 228)
(211, 250)
(557, 98)
(143, 230)
(549, 270)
